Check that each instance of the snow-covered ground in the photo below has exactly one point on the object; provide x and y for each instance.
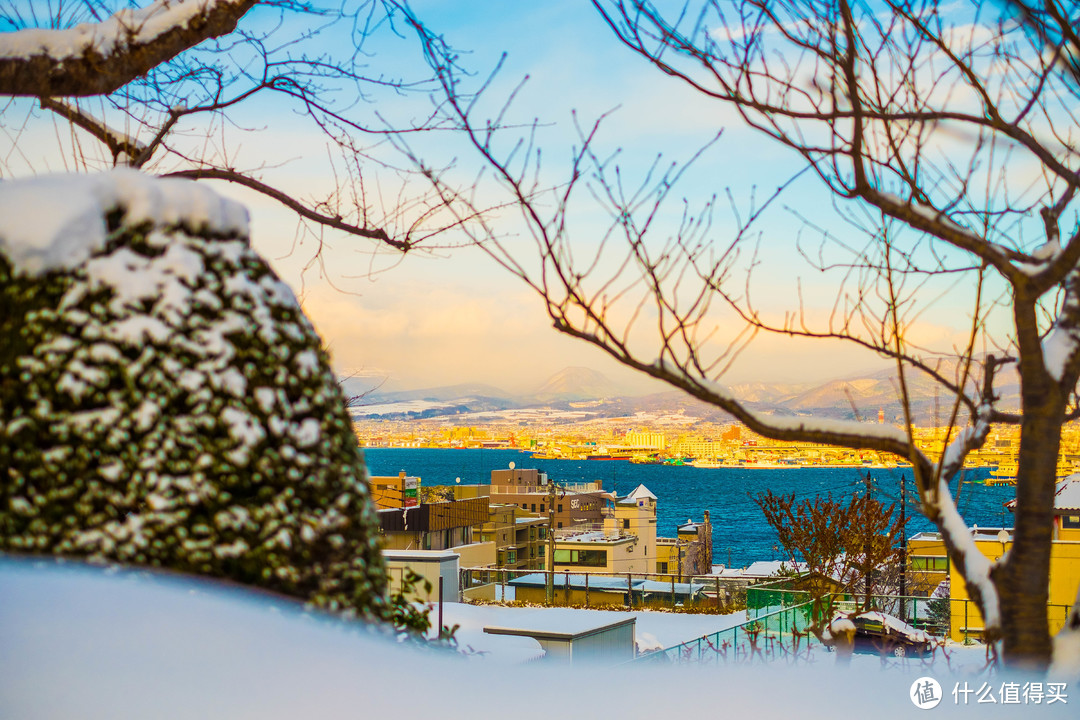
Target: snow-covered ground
(80, 642)
(653, 629)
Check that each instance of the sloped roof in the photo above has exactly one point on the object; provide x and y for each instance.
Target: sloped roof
(1066, 497)
(1068, 494)
(641, 492)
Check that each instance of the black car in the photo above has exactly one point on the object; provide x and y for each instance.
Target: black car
(882, 634)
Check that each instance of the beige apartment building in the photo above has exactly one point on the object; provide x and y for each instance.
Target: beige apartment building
(518, 537)
(577, 505)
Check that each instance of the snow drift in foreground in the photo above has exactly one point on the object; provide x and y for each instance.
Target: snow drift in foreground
(81, 642)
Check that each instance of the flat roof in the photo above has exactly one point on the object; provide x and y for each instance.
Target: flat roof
(598, 540)
(559, 630)
(607, 582)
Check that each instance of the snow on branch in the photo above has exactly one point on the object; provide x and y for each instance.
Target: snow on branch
(968, 439)
(974, 567)
(99, 58)
(1061, 348)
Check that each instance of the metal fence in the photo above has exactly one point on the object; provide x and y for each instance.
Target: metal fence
(967, 622)
(779, 619)
(600, 589)
(769, 637)
(916, 611)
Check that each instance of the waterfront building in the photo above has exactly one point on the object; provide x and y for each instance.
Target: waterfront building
(439, 526)
(646, 440)
(624, 542)
(577, 505)
(689, 553)
(395, 491)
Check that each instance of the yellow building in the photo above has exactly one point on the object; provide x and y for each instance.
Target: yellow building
(395, 492)
(646, 440)
(600, 552)
(687, 554)
(927, 564)
(1064, 564)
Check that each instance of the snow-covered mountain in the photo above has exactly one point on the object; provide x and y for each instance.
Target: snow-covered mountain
(864, 396)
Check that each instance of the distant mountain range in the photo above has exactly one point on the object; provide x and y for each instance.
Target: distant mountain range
(584, 390)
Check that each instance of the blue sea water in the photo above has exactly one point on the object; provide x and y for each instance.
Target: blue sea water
(740, 533)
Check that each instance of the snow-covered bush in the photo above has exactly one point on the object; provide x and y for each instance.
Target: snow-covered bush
(163, 399)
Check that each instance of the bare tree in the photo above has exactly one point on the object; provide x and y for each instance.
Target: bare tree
(947, 138)
(847, 545)
(180, 76)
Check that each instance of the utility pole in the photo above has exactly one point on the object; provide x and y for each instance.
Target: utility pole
(868, 571)
(550, 584)
(903, 545)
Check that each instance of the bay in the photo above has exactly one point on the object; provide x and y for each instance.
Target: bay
(740, 533)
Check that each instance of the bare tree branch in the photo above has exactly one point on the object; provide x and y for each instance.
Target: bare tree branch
(290, 202)
(100, 60)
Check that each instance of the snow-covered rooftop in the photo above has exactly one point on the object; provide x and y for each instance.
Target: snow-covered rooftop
(769, 568)
(596, 536)
(1068, 494)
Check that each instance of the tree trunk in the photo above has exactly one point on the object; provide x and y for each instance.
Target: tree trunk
(1022, 581)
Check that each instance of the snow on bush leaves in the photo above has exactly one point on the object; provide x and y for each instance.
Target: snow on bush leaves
(166, 403)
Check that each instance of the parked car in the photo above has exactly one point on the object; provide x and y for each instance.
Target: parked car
(883, 634)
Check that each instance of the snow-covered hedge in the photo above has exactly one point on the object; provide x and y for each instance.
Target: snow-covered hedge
(163, 399)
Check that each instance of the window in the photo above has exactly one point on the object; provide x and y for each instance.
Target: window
(626, 523)
(560, 507)
(534, 507)
(661, 567)
(541, 507)
(560, 525)
(586, 558)
(1070, 521)
(934, 563)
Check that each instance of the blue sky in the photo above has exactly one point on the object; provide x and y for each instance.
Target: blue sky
(454, 316)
